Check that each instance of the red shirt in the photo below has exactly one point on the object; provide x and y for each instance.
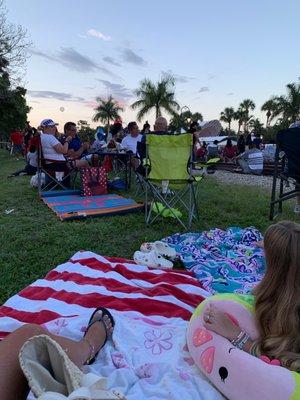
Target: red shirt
(229, 152)
(16, 137)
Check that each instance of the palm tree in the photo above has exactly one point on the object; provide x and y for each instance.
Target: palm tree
(256, 125)
(158, 96)
(289, 105)
(227, 116)
(270, 106)
(107, 110)
(239, 116)
(246, 106)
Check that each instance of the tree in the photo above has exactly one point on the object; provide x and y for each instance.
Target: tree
(107, 110)
(227, 116)
(13, 107)
(183, 120)
(13, 45)
(289, 106)
(270, 106)
(239, 116)
(85, 132)
(158, 96)
(257, 126)
(246, 106)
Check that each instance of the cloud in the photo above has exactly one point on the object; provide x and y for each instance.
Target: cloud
(112, 61)
(204, 89)
(131, 57)
(98, 35)
(47, 94)
(117, 90)
(178, 78)
(72, 59)
(41, 54)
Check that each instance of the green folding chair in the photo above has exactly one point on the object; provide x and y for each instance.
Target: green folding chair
(169, 183)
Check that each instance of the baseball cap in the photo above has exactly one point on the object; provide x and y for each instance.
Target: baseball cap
(48, 122)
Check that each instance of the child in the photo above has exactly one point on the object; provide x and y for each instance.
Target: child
(31, 166)
(277, 301)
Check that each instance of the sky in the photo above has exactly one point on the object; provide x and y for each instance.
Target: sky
(220, 52)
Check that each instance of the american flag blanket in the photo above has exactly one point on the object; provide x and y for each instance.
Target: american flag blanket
(148, 357)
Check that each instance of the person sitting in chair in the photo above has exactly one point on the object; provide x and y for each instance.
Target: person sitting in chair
(161, 126)
(213, 150)
(129, 143)
(53, 151)
(76, 149)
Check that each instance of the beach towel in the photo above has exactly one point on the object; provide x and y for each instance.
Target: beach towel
(224, 261)
(148, 357)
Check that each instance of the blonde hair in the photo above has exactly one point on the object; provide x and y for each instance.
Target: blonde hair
(277, 297)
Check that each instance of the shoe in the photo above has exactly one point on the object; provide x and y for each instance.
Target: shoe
(159, 247)
(297, 209)
(152, 260)
(97, 318)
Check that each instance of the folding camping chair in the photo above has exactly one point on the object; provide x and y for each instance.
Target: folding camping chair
(286, 170)
(168, 178)
(50, 171)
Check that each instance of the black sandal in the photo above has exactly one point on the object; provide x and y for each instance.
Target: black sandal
(92, 320)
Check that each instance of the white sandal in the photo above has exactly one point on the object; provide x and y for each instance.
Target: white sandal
(152, 260)
(161, 248)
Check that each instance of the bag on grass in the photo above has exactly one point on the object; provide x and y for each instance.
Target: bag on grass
(51, 375)
(93, 181)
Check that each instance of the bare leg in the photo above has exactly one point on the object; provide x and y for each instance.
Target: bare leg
(81, 163)
(13, 384)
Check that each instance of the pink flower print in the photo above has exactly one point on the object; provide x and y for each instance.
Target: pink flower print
(158, 341)
(189, 361)
(60, 324)
(183, 375)
(119, 360)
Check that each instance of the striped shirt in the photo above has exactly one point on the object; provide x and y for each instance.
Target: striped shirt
(255, 160)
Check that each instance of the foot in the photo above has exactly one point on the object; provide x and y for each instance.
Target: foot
(218, 322)
(97, 334)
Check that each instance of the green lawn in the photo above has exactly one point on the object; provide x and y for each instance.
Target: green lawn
(33, 240)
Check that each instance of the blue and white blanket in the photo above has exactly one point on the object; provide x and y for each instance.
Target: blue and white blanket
(223, 261)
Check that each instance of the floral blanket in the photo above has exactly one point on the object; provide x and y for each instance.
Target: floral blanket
(223, 261)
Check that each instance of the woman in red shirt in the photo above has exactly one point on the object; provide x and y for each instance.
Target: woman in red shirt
(229, 151)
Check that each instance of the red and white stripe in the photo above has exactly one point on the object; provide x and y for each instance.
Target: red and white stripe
(89, 280)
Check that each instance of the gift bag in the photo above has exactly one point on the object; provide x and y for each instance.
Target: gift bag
(93, 181)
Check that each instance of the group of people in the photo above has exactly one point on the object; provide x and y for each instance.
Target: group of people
(276, 298)
(248, 157)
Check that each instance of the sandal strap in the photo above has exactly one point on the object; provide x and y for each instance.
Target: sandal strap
(92, 348)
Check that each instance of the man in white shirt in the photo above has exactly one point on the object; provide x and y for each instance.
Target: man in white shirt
(129, 143)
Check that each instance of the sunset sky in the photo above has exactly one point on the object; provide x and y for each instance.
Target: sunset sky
(220, 52)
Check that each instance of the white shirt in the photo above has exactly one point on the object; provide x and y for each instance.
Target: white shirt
(49, 153)
(32, 159)
(130, 143)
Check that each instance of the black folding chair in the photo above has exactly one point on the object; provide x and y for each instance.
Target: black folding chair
(50, 181)
(286, 178)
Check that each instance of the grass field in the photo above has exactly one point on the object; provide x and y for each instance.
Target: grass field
(33, 240)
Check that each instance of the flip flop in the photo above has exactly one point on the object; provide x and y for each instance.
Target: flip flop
(152, 260)
(94, 318)
(160, 247)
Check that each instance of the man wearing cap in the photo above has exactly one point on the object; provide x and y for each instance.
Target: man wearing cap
(53, 150)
